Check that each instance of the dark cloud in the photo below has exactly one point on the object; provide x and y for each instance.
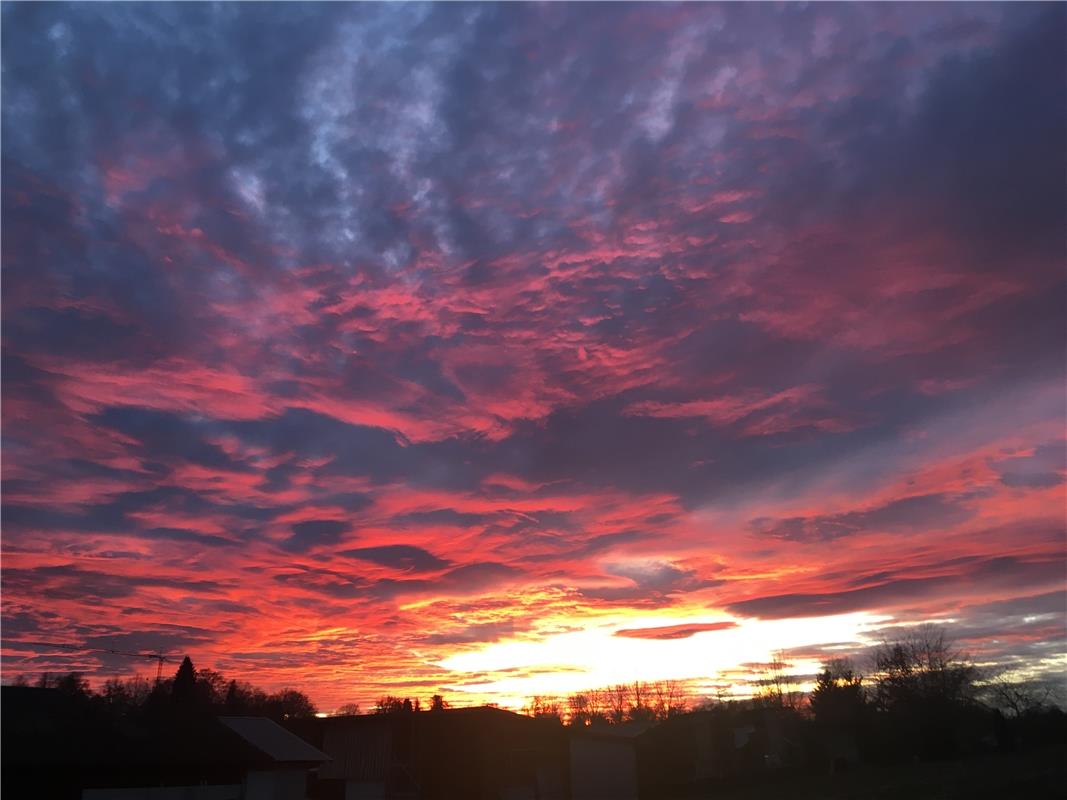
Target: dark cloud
(483, 632)
(315, 533)
(1042, 469)
(402, 557)
(918, 513)
(988, 574)
(67, 582)
(189, 537)
(165, 436)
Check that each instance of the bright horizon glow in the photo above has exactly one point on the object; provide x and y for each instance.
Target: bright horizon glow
(596, 658)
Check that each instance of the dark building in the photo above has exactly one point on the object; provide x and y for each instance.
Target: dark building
(603, 761)
(58, 746)
(692, 753)
(469, 753)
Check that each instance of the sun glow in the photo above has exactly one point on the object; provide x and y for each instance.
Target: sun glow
(555, 665)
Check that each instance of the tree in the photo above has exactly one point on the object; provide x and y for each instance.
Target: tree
(389, 705)
(1017, 698)
(437, 703)
(669, 698)
(233, 702)
(290, 704)
(777, 691)
(924, 688)
(120, 697)
(210, 687)
(578, 709)
(837, 699)
(545, 708)
(184, 689)
(73, 684)
(640, 709)
(920, 668)
(348, 709)
(617, 699)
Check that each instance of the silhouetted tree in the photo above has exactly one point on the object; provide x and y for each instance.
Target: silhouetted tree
(639, 709)
(348, 709)
(669, 698)
(578, 709)
(777, 688)
(544, 708)
(1017, 698)
(232, 703)
(122, 697)
(437, 703)
(838, 698)
(389, 705)
(184, 688)
(923, 685)
(73, 684)
(922, 667)
(617, 698)
(211, 688)
(289, 704)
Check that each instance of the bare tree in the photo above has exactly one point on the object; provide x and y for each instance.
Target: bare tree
(670, 698)
(1017, 698)
(578, 709)
(543, 707)
(778, 687)
(617, 699)
(922, 666)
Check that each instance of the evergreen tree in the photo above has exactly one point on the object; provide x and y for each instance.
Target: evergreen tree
(184, 690)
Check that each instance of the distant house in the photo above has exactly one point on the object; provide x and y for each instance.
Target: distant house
(689, 753)
(59, 747)
(603, 761)
(469, 753)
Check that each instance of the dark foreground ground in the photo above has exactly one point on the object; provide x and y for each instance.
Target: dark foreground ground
(1041, 774)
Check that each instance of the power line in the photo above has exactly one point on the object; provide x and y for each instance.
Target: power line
(159, 658)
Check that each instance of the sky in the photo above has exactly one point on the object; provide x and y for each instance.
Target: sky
(500, 350)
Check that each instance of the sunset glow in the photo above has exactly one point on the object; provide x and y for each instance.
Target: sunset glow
(502, 350)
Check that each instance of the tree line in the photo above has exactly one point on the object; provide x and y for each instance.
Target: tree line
(918, 694)
(639, 701)
(189, 690)
(920, 697)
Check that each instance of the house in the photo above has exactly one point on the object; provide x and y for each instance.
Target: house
(603, 761)
(470, 753)
(61, 747)
(692, 752)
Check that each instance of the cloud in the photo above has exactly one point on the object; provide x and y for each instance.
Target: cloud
(315, 532)
(982, 575)
(674, 631)
(907, 514)
(1043, 468)
(401, 557)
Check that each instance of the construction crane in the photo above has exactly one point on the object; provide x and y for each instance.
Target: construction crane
(159, 658)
